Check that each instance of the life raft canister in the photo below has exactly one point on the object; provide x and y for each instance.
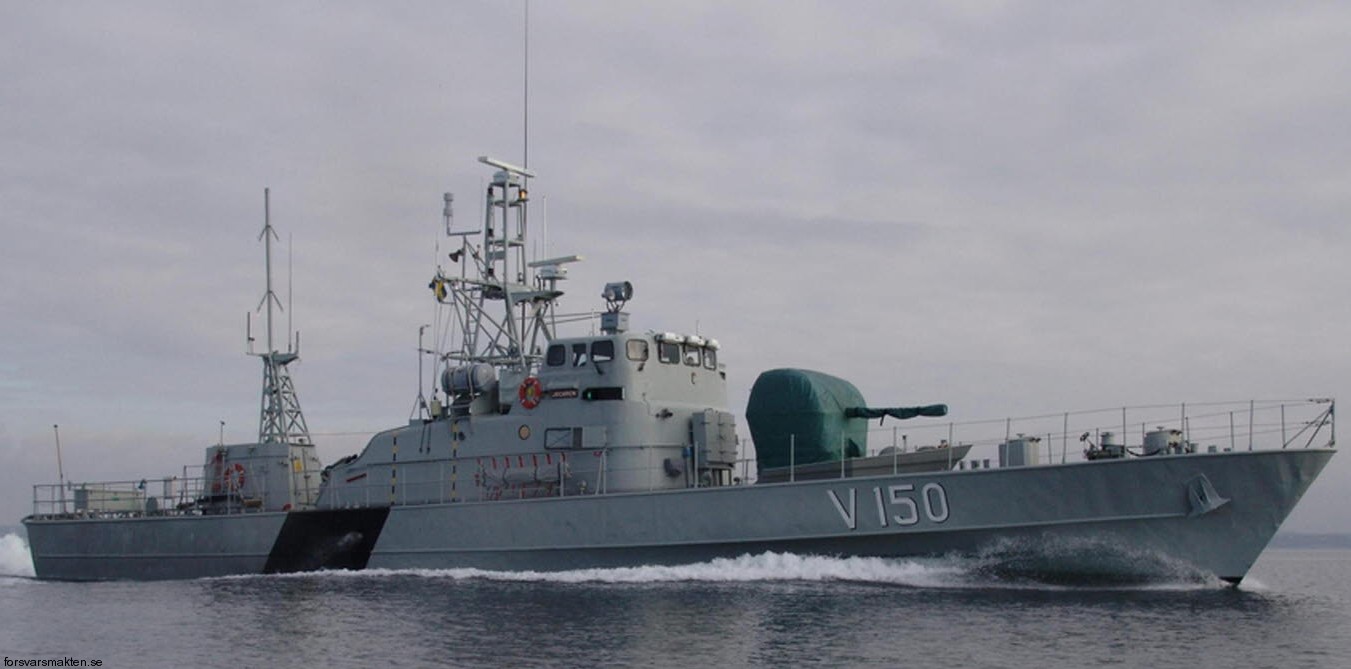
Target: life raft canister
(530, 392)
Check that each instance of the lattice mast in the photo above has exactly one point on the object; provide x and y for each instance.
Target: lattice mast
(502, 303)
(280, 419)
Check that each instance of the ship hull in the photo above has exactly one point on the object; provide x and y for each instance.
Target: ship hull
(165, 548)
(1092, 519)
(1143, 517)
(152, 548)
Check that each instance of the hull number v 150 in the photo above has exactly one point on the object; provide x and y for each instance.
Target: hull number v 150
(895, 504)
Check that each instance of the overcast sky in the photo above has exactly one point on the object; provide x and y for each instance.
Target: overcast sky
(1014, 208)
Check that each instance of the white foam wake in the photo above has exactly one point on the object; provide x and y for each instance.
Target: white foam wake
(765, 567)
(15, 559)
(948, 572)
(746, 568)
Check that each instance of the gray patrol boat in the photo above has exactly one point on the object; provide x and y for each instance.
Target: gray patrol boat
(548, 452)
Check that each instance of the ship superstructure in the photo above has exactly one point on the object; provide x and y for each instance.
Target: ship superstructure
(521, 403)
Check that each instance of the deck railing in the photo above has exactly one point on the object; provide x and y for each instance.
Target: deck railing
(1205, 428)
(190, 493)
(1061, 438)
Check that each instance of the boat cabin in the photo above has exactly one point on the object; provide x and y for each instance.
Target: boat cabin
(613, 412)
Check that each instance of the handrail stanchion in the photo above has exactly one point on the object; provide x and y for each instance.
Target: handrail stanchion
(1124, 441)
(1186, 434)
(1284, 441)
(1064, 440)
(950, 445)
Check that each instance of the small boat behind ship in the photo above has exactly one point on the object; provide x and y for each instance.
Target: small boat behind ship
(617, 448)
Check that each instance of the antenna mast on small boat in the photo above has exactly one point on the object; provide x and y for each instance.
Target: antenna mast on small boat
(60, 468)
(525, 96)
(502, 302)
(280, 419)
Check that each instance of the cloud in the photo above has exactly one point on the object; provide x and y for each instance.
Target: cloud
(1014, 208)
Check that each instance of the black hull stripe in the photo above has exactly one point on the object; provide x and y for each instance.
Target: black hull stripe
(326, 539)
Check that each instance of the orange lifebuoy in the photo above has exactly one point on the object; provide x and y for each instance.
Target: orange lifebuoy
(233, 476)
(530, 392)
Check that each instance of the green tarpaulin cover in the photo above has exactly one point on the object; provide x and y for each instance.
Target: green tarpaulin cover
(823, 415)
(807, 408)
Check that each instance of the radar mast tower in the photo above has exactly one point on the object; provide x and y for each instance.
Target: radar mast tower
(280, 419)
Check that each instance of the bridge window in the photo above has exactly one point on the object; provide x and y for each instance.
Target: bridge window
(603, 350)
(637, 349)
(668, 352)
(556, 356)
(710, 359)
(578, 355)
(692, 355)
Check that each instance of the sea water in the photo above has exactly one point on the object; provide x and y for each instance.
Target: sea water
(1293, 610)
